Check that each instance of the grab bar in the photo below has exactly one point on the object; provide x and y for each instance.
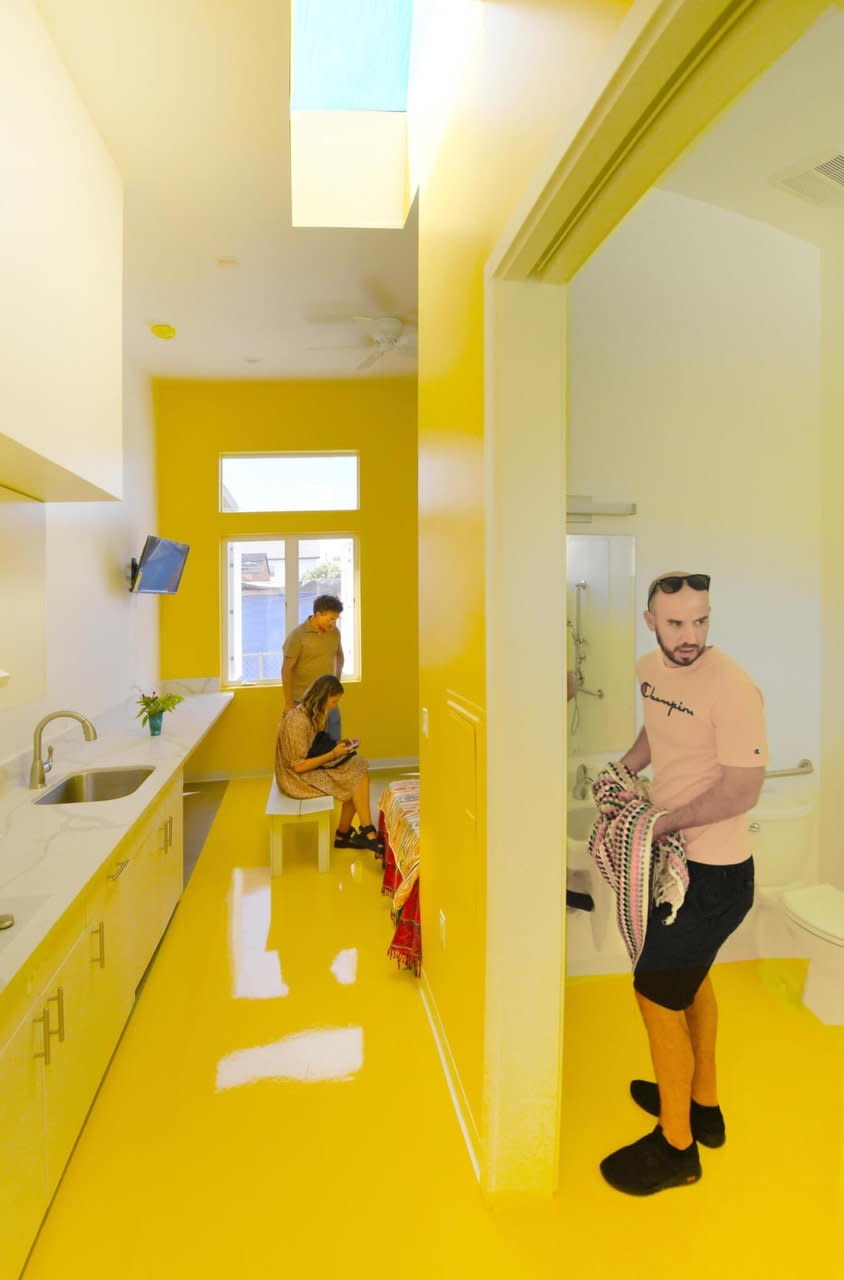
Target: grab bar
(804, 766)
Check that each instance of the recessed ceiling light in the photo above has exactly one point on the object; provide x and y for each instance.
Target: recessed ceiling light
(227, 262)
(253, 359)
(162, 330)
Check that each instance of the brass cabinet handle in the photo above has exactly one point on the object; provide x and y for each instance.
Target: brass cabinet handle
(99, 932)
(121, 867)
(59, 999)
(44, 1052)
(166, 834)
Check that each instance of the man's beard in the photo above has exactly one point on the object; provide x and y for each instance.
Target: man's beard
(679, 660)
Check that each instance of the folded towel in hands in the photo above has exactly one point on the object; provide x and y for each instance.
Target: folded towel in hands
(622, 847)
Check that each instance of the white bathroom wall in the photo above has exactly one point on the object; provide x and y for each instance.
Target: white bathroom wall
(100, 641)
(694, 350)
(23, 542)
(606, 563)
(832, 594)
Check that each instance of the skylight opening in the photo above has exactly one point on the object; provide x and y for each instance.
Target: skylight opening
(351, 55)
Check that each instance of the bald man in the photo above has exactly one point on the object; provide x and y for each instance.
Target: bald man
(704, 736)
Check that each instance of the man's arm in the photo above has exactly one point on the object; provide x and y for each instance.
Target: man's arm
(287, 668)
(736, 791)
(339, 660)
(639, 755)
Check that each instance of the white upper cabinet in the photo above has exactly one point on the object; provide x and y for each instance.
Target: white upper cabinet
(61, 265)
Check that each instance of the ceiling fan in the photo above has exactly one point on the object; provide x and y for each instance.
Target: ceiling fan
(381, 336)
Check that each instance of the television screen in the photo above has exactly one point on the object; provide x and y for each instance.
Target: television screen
(159, 570)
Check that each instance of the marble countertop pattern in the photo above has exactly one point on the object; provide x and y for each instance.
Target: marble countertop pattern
(49, 853)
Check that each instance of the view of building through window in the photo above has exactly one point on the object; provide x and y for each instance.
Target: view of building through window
(271, 585)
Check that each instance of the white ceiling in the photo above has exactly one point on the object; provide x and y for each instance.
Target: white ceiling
(793, 112)
(192, 99)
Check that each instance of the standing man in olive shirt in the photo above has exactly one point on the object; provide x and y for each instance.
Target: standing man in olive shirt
(314, 649)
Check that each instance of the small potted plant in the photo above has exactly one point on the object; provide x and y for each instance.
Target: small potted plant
(153, 706)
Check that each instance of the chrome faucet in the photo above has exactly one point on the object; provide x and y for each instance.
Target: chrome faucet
(40, 768)
(582, 783)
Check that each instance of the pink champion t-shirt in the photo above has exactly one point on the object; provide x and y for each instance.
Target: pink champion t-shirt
(699, 718)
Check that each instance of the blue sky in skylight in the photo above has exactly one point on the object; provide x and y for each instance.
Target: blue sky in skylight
(351, 55)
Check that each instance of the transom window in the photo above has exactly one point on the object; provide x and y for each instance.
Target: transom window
(270, 587)
(289, 482)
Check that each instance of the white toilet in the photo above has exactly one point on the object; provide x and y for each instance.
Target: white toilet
(816, 916)
(796, 915)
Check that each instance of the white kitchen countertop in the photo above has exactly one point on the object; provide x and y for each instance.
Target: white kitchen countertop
(50, 852)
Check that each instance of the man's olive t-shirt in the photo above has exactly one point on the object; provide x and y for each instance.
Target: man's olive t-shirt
(315, 654)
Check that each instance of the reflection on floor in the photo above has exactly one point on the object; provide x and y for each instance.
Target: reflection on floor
(277, 1109)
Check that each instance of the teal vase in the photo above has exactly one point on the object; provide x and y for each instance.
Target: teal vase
(155, 723)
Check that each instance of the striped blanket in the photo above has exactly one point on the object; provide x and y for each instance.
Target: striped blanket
(621, 845)
(400, 807)
(399, 828)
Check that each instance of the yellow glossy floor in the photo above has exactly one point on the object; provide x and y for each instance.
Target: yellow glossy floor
(276, 1108)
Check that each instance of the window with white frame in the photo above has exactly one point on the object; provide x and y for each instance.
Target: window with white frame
(270, 587)
(289, 482)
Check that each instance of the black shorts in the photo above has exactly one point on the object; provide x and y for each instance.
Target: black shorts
(677, 957)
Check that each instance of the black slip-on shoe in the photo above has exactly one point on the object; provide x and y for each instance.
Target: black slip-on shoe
(651, 1165)
(707, 1122)
(367, 838)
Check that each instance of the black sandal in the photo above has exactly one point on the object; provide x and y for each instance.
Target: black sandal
(345, 839)
(367, 838)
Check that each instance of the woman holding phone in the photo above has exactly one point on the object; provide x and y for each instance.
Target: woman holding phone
(336, 771)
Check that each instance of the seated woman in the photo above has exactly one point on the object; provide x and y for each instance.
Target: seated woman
(303, 776)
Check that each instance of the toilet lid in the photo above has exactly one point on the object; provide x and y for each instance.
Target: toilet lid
(819, 908)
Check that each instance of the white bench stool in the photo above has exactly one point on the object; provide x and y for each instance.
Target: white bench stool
(283, 810)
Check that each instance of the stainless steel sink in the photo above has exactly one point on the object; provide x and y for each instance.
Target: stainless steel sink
(96, 784)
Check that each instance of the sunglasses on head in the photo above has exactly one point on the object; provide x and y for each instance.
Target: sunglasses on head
(697, 582)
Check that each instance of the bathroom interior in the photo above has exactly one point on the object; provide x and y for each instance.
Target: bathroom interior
(705, 397)
(701, 385)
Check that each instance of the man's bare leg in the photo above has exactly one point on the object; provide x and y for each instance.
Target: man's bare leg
(674, 1064)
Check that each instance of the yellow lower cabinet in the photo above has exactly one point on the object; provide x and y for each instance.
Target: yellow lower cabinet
(171, 861)
(109, 917)
(146, 908)
(23, 1167)
(157, 876)
(73, 1070)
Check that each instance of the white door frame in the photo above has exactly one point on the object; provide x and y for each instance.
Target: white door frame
(672, 66)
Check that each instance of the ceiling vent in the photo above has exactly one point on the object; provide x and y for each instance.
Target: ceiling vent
(819, 182)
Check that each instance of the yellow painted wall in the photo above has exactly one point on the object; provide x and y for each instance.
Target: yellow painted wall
(196, 422)
(526, 66)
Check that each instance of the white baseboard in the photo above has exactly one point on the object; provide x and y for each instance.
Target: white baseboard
(455, 1086)
(231, 775)
(386, 765)
(393, 762)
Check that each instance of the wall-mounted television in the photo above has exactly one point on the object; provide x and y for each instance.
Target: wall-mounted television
(159, 569)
